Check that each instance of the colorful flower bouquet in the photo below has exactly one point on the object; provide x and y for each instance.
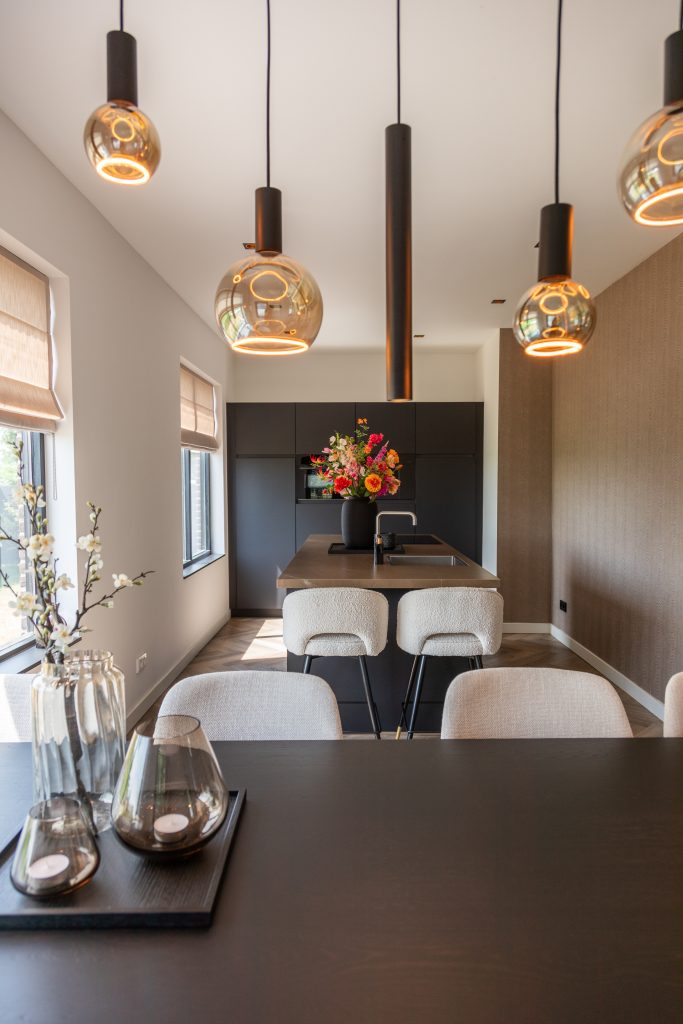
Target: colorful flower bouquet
(362, 466)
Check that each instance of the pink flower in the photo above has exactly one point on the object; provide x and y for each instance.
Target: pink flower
(375, 439)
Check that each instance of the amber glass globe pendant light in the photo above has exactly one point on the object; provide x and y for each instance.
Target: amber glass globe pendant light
(556, 317)
(651, 178)
(121, 142)
(267, 304)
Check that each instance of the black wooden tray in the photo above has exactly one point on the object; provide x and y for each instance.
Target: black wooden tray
(129, 891)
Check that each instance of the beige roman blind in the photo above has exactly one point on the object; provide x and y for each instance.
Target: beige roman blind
(197, 415)
(27, 399)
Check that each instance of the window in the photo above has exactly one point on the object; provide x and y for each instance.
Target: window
(27, 397)
(15, 631)
(196, 506)
(198, 438)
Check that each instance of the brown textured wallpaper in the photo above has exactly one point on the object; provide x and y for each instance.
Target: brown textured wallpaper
(524, 483)
(618, 477)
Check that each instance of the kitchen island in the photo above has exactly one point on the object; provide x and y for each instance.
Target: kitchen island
(313, 566)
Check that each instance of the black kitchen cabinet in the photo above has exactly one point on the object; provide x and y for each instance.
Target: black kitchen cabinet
(316, 422)
(263, 534)
(396, 420)
(317, 516)
(442, 483)
(261, 428)
(448, 428)
(448, 502)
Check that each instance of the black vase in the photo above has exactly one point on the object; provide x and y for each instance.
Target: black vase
(358, 522)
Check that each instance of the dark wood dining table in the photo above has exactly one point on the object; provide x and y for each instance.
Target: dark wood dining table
(506, 882)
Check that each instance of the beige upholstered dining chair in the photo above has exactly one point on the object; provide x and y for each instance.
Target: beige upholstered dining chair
(673, 706)
(15, 708)
(532, 703)
(257, 706)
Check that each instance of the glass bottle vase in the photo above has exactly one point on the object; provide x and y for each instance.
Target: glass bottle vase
(78, 722)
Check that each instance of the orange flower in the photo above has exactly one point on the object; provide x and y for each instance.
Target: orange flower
(373, 483)
(341, 483)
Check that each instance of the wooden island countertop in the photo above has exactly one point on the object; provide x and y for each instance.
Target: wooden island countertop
(313, 566)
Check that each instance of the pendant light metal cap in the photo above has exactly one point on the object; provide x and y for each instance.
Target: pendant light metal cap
(555, 247)
(268, 230)
(673, 68)
(122, 68)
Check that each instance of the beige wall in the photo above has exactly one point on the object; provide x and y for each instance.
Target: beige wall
(336, 375)
(120, 335)
(524, 483)
(590, 479)
(618, 477)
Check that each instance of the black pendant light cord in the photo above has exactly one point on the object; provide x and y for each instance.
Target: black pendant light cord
(268, 100)
(121, 15)
(398, 60)
(557, 101)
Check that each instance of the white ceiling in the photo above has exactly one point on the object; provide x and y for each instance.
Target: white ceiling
(477, 90)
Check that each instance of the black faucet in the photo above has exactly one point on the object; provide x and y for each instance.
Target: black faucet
(378, 543)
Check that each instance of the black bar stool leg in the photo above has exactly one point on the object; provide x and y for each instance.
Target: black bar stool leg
(307, 663)
(406, 700)
(418, 694)
(372, 707)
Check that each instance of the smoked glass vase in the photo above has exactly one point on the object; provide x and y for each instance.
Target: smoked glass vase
(170, 798)
(56, 851)
(78, 722)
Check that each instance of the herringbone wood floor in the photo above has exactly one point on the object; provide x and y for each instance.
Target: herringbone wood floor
(257, 644)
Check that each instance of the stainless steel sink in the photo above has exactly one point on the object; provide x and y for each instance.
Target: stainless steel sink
(424, 560)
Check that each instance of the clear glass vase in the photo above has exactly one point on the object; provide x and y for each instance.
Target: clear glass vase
(78, 721)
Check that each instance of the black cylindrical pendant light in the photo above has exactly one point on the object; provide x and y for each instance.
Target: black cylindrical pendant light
(399, 259)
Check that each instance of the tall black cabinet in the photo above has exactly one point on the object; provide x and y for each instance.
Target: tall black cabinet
(440, 444)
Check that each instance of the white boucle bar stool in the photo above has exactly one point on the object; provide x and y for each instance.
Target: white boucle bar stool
(446, 622)
(338, 622)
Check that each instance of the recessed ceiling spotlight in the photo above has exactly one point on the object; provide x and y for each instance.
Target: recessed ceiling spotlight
(248, 245)
(498, 302)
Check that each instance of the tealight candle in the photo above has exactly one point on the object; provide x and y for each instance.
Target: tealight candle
(171, 828)
(49, 872)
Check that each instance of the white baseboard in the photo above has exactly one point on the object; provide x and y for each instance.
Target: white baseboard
(526, 627)
(136, 713)
(656, 707)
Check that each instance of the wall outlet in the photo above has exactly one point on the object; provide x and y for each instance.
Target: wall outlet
(563, 608)
(141, 663)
